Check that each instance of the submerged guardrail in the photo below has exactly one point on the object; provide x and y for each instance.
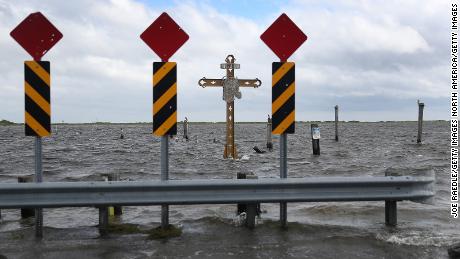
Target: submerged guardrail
(390, 189)
(315, 189)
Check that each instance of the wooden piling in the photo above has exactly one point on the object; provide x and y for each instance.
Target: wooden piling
(103, 220)
(26, 213)
(315, 136)
(252, 209)
(251, 212)
(113, 210)
(420, 121)
(269, 134)
(391, 215)
(186, 128)
(117, 210)
(240, 207)
(336, 123)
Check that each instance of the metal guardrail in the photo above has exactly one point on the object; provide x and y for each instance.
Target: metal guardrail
(313, 189)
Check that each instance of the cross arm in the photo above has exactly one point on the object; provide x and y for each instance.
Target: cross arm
(249, 82)
(203, 82)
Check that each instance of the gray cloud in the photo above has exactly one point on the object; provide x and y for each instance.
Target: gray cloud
(374, 58)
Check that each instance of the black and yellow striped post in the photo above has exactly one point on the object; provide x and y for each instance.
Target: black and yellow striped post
(37, 117)
(283, 98)
(164, 116)
(164, 98)
(37, 98)
(283, 115)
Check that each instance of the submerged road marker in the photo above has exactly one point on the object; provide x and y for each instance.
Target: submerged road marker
(283, 37)
(164, 36)
(37, 35)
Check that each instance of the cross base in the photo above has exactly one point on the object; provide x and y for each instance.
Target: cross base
(230, 150)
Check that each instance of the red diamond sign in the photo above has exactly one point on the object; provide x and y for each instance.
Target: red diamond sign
(283, 37)
(36, 35)
(164, 36)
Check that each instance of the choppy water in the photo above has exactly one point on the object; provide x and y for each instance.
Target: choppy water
(316, 230)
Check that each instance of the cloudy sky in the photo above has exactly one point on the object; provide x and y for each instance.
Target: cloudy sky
(372, 58)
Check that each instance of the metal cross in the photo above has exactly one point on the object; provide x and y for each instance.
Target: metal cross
(231, 89)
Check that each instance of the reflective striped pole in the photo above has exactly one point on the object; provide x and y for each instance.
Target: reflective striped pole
(37, 88)
(164, 117)
(283, 115)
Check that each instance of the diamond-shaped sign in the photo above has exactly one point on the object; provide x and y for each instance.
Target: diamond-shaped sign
(36, 35)
(164, 36)
(283, 37)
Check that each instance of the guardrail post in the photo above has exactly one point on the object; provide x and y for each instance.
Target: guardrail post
(117, 210)
(26, 213)
(103, 220)
(391, 213)
(391, 218)
(240, 207)
(252, 209)
(251, 212)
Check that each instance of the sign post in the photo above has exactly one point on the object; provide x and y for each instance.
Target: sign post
(283, 37)
(37, 35)
(231, 89)
(164, 37)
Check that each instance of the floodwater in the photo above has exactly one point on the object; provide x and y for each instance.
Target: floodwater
(315, 230)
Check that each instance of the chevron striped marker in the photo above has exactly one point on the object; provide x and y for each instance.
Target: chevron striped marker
(164, 98)
(283, 97)
(37, 98)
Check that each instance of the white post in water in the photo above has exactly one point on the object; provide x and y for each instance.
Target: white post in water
(38, 179)
(164, 177)
(283, 174)
(336, 123)
(420, 121)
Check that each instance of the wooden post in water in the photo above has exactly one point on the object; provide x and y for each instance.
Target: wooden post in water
(111, 210)
(103, 220)
(269, 134)
(240, 206)
(186, 128)
(251, 215)
(315, 136)
(252, 209)
(391, 216)
(420, 121)
(26, 213)
(115, 210)
(336, 123)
